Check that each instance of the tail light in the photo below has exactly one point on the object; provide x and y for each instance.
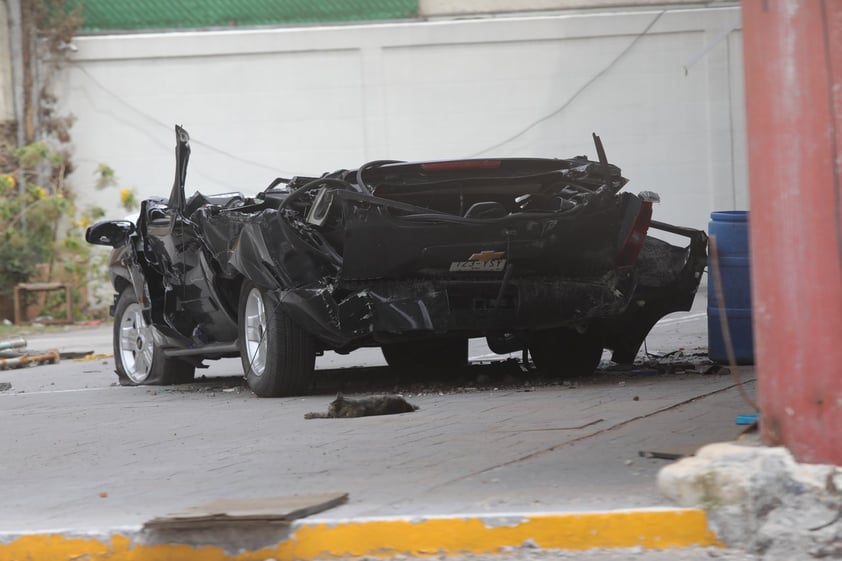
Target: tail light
(637, 235)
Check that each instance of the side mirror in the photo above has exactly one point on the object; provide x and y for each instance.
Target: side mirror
(110, 232)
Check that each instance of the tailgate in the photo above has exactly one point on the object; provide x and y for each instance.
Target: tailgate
(579, 243)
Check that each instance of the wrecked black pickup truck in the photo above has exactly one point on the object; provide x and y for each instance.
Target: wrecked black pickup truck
(544, 255)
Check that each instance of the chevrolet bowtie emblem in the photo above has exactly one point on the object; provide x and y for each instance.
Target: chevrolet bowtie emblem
(487, 255)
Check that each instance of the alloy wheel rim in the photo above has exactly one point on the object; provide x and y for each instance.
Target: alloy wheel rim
(136, 344)
(255, 332)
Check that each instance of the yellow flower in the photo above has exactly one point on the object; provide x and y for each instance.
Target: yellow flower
(40, 192)
(128, 198)
(84, 222)
(8, 182)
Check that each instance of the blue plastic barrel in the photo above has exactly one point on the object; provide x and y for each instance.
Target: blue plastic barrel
(731, 231)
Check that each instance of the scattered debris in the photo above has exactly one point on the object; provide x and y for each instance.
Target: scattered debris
(82, 355)
(747, 419)
(5, 386)
(48, 357)
(642, 371)
(680, 361)
(14, 354)
(209, 385)
(661, 455)
(717, 369)
(343, 407)
(16, 343)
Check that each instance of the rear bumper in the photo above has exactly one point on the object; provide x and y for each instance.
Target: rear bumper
(386, 311)
(668, 278)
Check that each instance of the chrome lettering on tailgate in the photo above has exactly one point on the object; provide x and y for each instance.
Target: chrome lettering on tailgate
(474, 266)
(483, 261)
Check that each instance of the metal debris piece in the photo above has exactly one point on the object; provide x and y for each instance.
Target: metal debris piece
(660, 455)
(49, 357)
(16, 343)
(717, 369)
(79, 355)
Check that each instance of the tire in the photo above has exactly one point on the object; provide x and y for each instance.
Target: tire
(565, 351)
(138, 356)
(278, 356)
(430, 353)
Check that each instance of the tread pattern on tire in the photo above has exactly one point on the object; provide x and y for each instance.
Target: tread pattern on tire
(291, 352)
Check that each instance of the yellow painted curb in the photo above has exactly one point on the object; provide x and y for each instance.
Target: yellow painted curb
(388, 537)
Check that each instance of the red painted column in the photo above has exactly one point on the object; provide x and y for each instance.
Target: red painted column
(793, 75)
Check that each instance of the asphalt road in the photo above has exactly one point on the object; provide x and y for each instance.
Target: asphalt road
(84, 454)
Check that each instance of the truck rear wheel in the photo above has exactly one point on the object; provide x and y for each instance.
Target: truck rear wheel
(278, 356)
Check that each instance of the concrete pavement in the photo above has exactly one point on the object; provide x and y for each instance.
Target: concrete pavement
(502, 460)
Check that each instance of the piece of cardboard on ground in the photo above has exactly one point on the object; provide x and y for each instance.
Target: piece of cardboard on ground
(257, 511)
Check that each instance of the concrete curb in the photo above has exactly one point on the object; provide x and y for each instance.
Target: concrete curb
(310, 539)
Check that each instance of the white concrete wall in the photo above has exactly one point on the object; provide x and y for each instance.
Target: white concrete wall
(266, 102)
